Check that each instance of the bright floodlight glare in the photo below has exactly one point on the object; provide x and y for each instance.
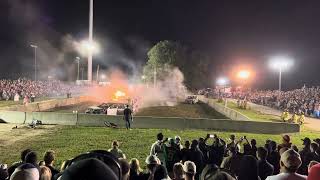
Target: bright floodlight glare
(103, 76)
(280, 62)
(143, 77)
(243, 74)
(86, 46)
(222, 81)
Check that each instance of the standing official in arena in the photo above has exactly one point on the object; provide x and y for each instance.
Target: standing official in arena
(127, 115)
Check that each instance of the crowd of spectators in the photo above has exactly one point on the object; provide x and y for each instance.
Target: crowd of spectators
(235, 158)
(304, 100)
(21, 88)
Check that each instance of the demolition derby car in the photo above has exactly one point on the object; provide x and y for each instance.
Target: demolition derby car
(192, 99)
(107, 108)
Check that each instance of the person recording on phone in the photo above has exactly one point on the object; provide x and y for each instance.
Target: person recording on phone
(234, 143)
(215, 150)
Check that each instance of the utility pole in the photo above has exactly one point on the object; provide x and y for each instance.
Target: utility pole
(82, 73)
(78, 61)
(35, 60)
(97, 78)
(90, 42)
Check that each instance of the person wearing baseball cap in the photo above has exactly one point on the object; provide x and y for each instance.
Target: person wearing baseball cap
(290, 162)
(285, 142)
(305, 155)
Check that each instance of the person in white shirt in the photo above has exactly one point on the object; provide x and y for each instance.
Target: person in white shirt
(290, 162)
(16, 97)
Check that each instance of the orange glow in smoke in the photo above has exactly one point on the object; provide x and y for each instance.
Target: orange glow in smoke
(118, 95)
(243, 74)
(118, 91)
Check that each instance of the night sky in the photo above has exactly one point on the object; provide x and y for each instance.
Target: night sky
(232, 33)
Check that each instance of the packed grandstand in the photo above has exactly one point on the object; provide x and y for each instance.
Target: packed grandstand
(170, 158)
(304, 100)
(9, 89)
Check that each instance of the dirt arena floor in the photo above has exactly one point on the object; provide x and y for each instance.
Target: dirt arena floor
(9, 134)
(81, 107)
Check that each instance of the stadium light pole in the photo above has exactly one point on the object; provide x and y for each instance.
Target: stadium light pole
(78, 61)
(35, 60)
(280, 63)
(223, 82)
(90, 41)
(82, 73)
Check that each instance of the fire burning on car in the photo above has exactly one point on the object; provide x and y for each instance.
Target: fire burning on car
(118, 95)
(124, 90)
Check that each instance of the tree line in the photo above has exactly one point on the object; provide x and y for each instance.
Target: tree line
(165, 55)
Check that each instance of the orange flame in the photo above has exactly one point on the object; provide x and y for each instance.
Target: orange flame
(118, 94)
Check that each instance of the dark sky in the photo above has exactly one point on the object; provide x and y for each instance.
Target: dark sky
(231, 32)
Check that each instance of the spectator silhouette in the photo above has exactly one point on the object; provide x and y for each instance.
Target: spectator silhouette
(116, 151)
(274, 157)
(135, 170)
(158, 148)
(49, 158)
(185, 152)
(196, 156)
(22, 160)
(248, 169)
(232, 161)
(178, 173)
(190, 170)
(265, 169)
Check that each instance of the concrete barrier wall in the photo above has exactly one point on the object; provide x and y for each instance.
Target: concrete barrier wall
(13, 117)
(151, 122)
(230, 113)
(45, 105)
(184, 123)
(188, 123)
(52, 118)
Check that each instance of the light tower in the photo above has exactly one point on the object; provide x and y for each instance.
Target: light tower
(280, 63)
(90, 42)
(35, 60)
